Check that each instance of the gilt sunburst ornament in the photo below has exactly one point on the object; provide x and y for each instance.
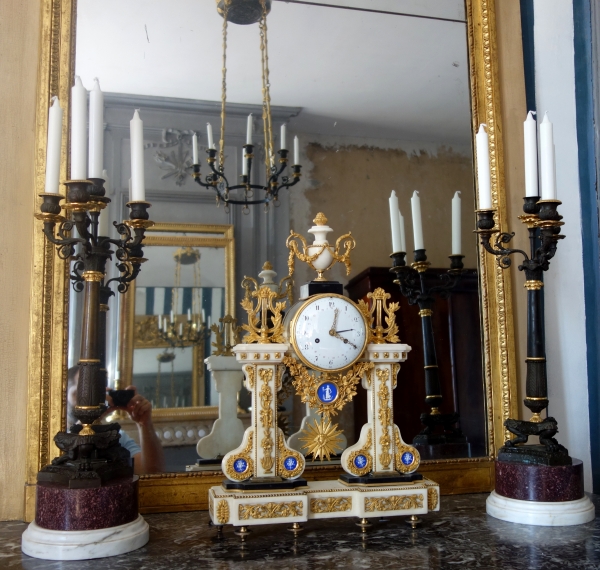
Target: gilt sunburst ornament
(322, 439)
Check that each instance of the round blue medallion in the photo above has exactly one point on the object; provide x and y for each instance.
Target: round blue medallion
(327, 392)
(290, 463)
(407, 458)
(360, 461)
(240, 465)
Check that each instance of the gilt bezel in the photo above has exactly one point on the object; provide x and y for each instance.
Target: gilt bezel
(292, 333)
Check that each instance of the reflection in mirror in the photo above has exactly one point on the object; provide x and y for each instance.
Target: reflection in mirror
(379, 99)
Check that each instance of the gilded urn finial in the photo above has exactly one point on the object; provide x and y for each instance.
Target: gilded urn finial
(267, 266)
(320, 220)
(320, 256)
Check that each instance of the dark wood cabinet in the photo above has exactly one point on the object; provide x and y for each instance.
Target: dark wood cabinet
(457, 332)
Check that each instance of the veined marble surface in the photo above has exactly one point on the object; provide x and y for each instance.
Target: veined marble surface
(460, 536)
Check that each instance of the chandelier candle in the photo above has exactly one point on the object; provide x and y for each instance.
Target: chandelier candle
(55, 117)
(249, 130)
(195, 148)
(209, 137)
(282, 137)
(78, 131)
(531, 156)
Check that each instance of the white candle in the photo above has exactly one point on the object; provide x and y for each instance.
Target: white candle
(249, 130)
(415, 204)
(160, 322)
(78, 131)
(104, 223)
(296, 151)
(195, 148)
(189, 314)
(395, 223)
(171, 315)
(130, 189)
(209, 136)
(282, 137)
(180, 329)
(402, 233)
(483, 169)
(203, 316)
(244, 163)
(456, 224)
(55, 117)
(96, 147)
(531, 155)
(136, 129)
(547, 160)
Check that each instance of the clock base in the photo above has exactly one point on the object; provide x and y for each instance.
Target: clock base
(394, 477)
(271, 484)
(320, 287)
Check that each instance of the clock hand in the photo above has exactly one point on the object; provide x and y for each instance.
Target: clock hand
(346, 341)
(332, 330)
(345, 330)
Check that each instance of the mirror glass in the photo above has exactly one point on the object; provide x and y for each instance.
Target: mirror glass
(377, 92)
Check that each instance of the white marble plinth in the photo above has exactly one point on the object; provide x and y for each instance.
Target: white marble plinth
(564, 513)
(322, 500)
(47, 544)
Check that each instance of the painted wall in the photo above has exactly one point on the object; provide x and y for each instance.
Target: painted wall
(565, 328)
(19, 36)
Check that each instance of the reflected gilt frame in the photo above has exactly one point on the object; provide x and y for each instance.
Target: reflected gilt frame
(49, 295)
(197, 235)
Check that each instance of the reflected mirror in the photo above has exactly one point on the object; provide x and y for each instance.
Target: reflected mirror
(377, 92)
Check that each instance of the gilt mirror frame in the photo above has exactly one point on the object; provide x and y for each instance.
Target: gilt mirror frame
(47, 371)
(196, 235)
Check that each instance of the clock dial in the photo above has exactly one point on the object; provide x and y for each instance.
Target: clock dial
(329, 333)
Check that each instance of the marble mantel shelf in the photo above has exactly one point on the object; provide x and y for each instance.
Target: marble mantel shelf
(461, 535)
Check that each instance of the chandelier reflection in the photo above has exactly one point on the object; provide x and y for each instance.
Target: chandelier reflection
(181, 330)
(232, 10)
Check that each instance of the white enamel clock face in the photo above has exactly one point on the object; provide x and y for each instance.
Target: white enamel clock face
(329, 332)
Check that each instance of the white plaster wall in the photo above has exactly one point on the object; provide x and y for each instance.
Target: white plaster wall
(565, 311)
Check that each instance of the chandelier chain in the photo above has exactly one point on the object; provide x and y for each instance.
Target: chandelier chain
(223, 87)
(267, 125)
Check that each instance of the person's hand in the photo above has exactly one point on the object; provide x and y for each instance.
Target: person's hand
(139, 408)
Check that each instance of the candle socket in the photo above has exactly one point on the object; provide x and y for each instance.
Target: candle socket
(485, 219)
(296, 170)
(96, 189)
(195, 170)
(78, 191)
(283, 155)
(531, 205)
(51, 203)
(139, 210)
(549, 210)
(419, 255)
(212, 153)
(398, 259)
(456, 261)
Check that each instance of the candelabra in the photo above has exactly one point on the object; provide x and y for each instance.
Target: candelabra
(92, 452)
(182, 334)
(543, 224)
(411, 280)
